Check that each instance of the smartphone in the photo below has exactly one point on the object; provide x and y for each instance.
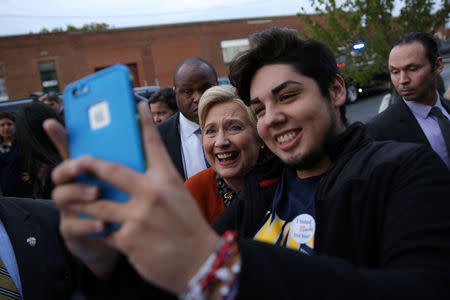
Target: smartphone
(101, 120)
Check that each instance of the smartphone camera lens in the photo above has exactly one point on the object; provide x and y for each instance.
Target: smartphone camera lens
(75, 91)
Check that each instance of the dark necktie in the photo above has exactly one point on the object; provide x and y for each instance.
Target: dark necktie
(199, 131)
(444, 125)
(8, 289)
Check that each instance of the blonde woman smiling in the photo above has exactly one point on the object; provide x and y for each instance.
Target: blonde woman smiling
(232, 146)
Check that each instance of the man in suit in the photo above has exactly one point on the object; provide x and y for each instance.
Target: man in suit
(54, 101)
(32, 250)
(163, 104)
(181, 132)
(415, 65)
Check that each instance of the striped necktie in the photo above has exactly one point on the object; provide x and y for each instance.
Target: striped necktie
(8, 289)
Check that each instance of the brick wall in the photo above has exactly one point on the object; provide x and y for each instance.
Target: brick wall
(156, 50)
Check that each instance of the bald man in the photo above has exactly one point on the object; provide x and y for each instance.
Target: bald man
(180, 133)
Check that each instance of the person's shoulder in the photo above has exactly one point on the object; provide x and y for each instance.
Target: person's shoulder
(266, 173)
(42, 206)
(386, 115)
(446, 103)
(201, 178)
(274, 163)
(378, 163)
(376, 154)
(169, 124)
(392, 147)
(168, 129)
(380, 126)
(38, 209)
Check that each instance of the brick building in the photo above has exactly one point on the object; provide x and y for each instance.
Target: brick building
(48, 62)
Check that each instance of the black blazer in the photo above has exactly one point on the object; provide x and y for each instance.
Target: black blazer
(170, 134)
(47, 271)
(398, 123)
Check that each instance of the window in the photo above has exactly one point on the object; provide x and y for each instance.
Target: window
(3, 93)
(232, 47)
(49, 79)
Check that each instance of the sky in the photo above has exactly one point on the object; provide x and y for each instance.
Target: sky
(25, 16)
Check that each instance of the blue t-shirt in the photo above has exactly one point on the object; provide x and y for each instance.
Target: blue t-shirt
(290, 222)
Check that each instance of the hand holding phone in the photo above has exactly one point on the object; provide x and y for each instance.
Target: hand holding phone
(101, 121)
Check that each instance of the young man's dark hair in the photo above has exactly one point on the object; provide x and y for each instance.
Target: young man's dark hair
(427, 41)
(281, 45)
(166, 95)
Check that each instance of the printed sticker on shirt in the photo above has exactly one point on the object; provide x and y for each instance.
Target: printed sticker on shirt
(303, 228)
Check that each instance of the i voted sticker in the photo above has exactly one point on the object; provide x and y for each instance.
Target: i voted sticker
(303, 228)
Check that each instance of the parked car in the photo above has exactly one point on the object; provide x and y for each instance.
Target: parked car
(14, 104)
(145, 91)
(379, 83)
(223, 81)
(444, 47)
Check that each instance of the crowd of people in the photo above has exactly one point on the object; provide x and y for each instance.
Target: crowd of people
(257, 190)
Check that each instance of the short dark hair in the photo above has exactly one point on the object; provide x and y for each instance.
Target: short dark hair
(166, 95)
(7, 115)
(427, 41)
(196, 61)
(277, 45)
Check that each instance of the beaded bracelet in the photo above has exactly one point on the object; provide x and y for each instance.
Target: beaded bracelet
(218, 277)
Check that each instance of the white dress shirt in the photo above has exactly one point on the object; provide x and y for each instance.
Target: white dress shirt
(191, 147)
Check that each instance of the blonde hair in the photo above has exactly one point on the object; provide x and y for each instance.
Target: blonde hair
(221, 94)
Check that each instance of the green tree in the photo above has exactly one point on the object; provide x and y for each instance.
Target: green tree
(85, 28)
(341, 25)
(57, 29)
(91, 27)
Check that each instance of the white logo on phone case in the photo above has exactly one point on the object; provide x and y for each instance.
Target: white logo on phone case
(99, 115)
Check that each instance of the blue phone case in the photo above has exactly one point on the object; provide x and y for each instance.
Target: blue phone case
(101, 121)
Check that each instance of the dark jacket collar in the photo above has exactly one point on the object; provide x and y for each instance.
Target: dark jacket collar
(351, 140)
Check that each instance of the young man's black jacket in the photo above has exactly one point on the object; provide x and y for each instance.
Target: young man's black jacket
(382, 228)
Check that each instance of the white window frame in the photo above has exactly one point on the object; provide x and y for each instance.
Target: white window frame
(231, 48)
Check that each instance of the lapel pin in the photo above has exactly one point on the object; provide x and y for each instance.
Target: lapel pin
(31, 241)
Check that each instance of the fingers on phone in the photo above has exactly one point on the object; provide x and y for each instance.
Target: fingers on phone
(76, 227)
(67, 194)
(116, 174)
(66, 171)
(105, 210)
